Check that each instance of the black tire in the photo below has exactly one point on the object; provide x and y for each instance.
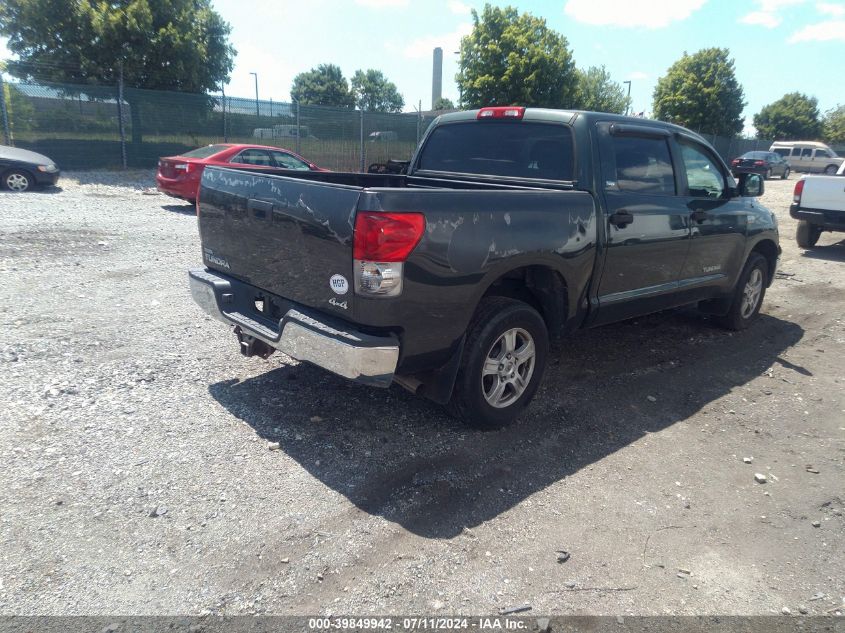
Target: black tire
(739, 316)
(768, 174)
(807, 234)
(785, 173)
(17, 180)
(830, 170)
(495, 317)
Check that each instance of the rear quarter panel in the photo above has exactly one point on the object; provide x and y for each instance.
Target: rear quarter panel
(472, 238)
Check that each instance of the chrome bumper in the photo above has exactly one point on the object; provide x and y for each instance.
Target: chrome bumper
(348, 353)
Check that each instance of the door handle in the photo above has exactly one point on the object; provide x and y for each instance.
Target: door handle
(621, 218)
(699, 215)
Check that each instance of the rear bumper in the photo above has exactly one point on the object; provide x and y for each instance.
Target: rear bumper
(178, 188)
(322, 341)
(830, 220)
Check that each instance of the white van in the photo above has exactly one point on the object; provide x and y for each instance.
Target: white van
(809, 156)
(282, 131)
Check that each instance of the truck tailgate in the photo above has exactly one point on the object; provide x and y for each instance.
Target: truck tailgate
(286, 236)
(824, 192)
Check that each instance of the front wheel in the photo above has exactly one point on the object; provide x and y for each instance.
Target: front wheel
(17, 180)
(768, 174)
(504, 357)
(807, 234)
(785, 174)
(830, 170)
(748, 294)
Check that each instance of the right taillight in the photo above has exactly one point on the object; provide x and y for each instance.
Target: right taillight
(796, 194)
(381, 244)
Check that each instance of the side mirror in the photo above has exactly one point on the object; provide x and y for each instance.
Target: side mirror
(750, 185)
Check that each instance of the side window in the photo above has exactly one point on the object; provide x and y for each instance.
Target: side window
(796, 151)
(289, 162)
(782, 152)
(824, 153)
(807, 152)
(256, 157)
(704, 178)
(643, 165)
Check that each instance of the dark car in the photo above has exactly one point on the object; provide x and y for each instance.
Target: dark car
(510, 226)
(21, 169)
(767, 164)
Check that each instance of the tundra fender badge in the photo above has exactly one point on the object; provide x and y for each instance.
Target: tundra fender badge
(339, 285)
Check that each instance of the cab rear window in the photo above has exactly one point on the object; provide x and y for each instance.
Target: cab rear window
(514, 149)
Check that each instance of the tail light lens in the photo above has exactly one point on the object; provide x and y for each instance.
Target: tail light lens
(759, 162)
(796, 194)
(735, 161)
(381, 244)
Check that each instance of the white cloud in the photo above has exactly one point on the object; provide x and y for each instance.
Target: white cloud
(767, 12)
(383, 4)
(458, 8)
(762, 18)
(638, 74)
(652, 14)
(830, 8)
(421, 47)
(821, 32)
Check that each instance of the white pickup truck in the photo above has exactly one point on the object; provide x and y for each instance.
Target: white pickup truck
(818, 203)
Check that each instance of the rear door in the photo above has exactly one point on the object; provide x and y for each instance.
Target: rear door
(648, 227)
(289, 236)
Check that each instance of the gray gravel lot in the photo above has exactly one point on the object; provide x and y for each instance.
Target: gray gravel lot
(138, 478)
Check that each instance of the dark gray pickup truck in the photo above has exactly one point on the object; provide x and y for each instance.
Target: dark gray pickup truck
(510, 228)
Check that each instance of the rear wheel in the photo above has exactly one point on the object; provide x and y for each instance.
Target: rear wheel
(17, 180)
(830, 170)
(748, 294)
(504, 358)
(807, 234)
(785, 173)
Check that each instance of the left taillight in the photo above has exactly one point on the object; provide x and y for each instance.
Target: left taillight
(381, 244)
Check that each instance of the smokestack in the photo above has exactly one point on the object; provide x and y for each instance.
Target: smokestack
(437, 77)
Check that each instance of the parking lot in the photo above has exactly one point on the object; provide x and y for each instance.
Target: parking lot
(148, 468)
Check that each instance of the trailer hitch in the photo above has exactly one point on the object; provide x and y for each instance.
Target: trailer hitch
(251, 346)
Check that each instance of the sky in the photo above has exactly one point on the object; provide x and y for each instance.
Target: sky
(778, 46)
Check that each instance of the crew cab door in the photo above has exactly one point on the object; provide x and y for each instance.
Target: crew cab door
(719, 222)
(647, 223)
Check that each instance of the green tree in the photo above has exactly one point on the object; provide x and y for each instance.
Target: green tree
(599, 93)
(793, 117)
(701, 92)
(515, 59)
(443, 104)
(156, 44)
(833, 126)
(324, 85)
(374, 93)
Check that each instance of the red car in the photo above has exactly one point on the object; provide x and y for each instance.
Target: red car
(179, 176)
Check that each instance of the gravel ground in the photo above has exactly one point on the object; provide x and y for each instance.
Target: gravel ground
(139, 475)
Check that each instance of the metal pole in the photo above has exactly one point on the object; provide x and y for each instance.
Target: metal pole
(120, 116)
(363, 158)
(256, 93)
(419, 121)
(225, 131)
(298, 131)
(7, 129)
(628, 99)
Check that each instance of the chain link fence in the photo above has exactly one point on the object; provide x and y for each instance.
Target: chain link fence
(80, 126)
(85, 127)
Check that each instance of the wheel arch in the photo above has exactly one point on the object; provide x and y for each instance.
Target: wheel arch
(539, 285)
(768, 249)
